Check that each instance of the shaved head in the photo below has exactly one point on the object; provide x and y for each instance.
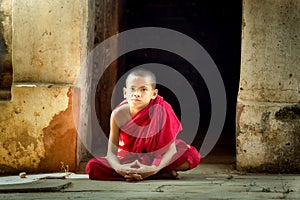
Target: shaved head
(143, 73)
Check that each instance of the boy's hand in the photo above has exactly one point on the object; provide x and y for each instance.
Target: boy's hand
(145, 171)
(130, 177)
(136, 171)
(142, 172)
(125, 169)
(129, 171)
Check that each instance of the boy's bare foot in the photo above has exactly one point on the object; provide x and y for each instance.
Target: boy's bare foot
(166, 175)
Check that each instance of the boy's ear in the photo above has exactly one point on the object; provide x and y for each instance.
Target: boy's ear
(155, 93)
(124, 92)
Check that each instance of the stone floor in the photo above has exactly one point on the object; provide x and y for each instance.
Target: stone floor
(207, 181)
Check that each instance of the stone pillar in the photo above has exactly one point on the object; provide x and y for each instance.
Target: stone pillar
(49, 44)
(268, 110)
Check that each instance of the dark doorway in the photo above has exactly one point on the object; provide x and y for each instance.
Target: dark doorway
(216, 25)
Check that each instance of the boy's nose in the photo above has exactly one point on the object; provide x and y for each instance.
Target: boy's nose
(136, 93)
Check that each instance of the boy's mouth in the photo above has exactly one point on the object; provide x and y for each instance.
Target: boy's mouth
(135, 100)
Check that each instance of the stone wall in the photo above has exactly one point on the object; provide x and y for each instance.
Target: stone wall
(49, 44)
(50, 40)
(268, 110)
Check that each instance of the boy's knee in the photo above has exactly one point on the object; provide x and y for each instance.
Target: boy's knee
(185, 166)
(193, 158)
(90, 168)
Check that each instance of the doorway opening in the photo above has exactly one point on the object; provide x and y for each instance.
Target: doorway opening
(6, 71)
(216, 26)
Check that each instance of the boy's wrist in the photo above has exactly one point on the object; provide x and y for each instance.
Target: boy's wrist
(117, 167)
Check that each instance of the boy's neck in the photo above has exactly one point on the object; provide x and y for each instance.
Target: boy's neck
(133, 111)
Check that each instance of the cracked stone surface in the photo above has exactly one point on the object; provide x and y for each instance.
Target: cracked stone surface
(208, 181)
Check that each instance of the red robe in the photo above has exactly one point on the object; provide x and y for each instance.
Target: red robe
(146, 137)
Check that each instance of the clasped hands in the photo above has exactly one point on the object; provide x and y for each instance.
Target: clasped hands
(136, 171)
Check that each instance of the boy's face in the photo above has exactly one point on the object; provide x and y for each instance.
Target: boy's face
(139, 91)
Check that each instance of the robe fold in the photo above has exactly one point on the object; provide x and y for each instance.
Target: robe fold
(146, 137)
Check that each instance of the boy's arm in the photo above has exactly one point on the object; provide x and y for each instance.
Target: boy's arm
(112, 150)
(113, 144)
(166, 158)
(147, 171)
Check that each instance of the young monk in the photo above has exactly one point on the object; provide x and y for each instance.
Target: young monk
(142, 141)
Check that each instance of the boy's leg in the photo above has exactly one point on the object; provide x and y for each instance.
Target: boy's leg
(100, 169)
(187, 157)
(185, 166)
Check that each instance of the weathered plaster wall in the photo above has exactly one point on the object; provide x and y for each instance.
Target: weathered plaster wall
(27, 133)
(268, 112)
(49, 43)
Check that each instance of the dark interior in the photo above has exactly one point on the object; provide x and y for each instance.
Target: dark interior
(216, 25)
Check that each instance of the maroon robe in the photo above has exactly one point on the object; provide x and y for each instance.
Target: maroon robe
(146, 137)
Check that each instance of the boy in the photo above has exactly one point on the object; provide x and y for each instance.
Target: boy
(142, 140)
